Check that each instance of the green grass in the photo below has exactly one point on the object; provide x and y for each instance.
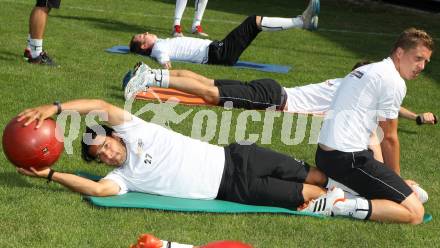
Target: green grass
(34, 214)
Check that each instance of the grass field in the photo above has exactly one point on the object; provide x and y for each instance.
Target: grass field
(34, 214)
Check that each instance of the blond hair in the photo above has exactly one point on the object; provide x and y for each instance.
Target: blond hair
(411, 38)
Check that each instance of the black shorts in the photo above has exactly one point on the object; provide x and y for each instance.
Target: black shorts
(362, 173)
(48, 3)
(228, 50)
(257, 94)
(259, 176)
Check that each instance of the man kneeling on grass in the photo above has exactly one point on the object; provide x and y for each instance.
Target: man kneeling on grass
(152, 159)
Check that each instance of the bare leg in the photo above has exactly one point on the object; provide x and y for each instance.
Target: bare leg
(37, 22)
(316, 177)
(311, 192)
(409, 211)
(193, 75)
(193, 86)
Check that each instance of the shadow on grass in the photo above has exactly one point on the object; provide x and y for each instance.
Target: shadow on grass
(13, 179)
(9, 56)
(112, 25)
(402, 130)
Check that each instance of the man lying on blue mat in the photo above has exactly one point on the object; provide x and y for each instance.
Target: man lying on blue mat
(224, 52)
(152, 159)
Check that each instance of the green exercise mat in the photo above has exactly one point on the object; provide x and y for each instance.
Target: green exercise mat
(143, 200)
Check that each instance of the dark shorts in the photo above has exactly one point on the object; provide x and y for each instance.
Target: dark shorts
(228, 50)
(257, 94)
(362, 173)
(259, 176)
(48, 3)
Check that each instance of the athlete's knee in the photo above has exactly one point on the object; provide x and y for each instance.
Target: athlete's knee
(316, 177)
(415, 209)
(211, 95)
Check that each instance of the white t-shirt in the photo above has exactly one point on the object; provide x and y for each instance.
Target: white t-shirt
(163, 162)
(312, 98)
(366, 94)
(181, 48)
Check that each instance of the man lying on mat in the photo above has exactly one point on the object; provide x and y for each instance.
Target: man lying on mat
(257, 94)
(224, 52)
(150, 158)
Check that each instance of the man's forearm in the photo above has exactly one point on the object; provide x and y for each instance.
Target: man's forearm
(406, 113)
(84, 106)
(77, 183)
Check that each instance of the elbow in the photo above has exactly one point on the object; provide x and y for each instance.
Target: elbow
(100, 191)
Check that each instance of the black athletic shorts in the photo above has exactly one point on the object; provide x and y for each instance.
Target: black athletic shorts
(48, 3)
(259, 176)
(362, 173)
(257, 94)
(228, 50)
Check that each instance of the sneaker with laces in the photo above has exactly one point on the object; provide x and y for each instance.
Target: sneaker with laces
(27, 54)
(138, 80)
(42, 59)
(310, 15)
(197, 30)
(139, 67)
(177, 31)
(324, 204)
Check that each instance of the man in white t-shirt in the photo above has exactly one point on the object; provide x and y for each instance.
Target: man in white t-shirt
(256, 94)
(368, 97)
(226, 51)
(152, 159)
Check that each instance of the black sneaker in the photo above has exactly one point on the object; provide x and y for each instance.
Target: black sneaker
(42, 59)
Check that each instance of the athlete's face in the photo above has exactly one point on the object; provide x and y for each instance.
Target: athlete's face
(110, 150)
(146, 40)
(411, 62)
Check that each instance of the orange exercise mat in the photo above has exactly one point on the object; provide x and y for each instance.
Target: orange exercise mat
(171, 95)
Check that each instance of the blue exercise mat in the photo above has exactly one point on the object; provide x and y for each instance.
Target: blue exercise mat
(239, 64)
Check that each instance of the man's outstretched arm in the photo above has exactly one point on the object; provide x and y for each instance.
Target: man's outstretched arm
(115, 114)
(76, 183)
(425, 118)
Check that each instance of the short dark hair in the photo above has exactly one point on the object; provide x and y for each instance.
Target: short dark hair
(411, 38)
(85, 147)
(361, 63)
(135, 47)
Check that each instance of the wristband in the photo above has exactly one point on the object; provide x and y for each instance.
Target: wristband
(49, 176)
(419, 120)
(58, 104)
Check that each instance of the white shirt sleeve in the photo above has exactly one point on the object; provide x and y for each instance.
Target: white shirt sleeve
(391, 98)
(119, 181)
(160, 53)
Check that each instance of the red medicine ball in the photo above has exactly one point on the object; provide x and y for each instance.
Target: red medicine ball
(26, 146)
(226, 244)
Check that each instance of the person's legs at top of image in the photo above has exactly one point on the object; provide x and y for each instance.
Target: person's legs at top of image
(178, 13)
(200, 6)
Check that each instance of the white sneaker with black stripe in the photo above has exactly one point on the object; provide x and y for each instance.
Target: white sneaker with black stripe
(324, 204)
(139, 81)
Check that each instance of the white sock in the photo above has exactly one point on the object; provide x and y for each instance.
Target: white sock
(358, 208)
(277, 23)
(162, 78)
(420, 193)
(36, 46)
(178, 13)
(200, 6)
(332, 183)
(166, 244)
(28, 42)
